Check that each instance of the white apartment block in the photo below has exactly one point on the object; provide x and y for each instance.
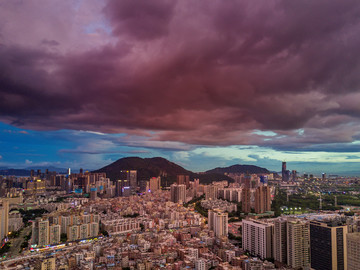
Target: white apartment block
(258, 238)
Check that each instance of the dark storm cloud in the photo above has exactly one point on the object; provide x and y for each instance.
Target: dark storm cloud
(27, 90)
(140, 19)
(198, 72)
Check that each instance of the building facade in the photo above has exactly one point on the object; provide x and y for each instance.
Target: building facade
(178, 193)
(328, 246)
(298, 244)
(353, 250)
(258, 238)
(218, 222)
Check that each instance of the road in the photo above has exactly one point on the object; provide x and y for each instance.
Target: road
(18, 260)
(16, 242)
(234, 228)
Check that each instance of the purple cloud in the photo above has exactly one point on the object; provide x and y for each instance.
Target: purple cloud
(207, 73)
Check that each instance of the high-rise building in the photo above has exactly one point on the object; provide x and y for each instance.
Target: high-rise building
(258, 238)
(328, 245)
(182, 179)
(94, 229)
(133, 180)
(246, 180)
(218, 222)
(178, 193)
(4, 218)
(52, 180)
(118, 188)
(262, 199)
(69, 185)
(40, 232)
(84, 231)
(280, 240)
(93, 193)
(154, 183)
(65, 222)
(246, 200)
(353, 251)
(35, 187)
(211, 192)
(283, 171)
(129, 178)
(73, 233)
(298, 244)
(54, 234)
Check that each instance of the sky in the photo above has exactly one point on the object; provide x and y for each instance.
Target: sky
(201, 83)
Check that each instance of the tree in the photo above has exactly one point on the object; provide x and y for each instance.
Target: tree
(63, 237)
(24, 244)
(104, 233)
(5, 248)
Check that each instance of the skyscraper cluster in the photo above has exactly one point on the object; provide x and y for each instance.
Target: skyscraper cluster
(48, 230)
(303, 244)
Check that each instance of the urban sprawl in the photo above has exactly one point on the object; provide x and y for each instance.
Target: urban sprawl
(257, 221)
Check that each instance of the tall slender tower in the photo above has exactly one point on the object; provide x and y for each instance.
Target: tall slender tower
(246, 200)
(280, 240)
(283, 172)
(133, 180)
(4, 218)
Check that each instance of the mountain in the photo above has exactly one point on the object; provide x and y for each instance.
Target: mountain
(17, 172)
(157, 166)
(146, 167)
(50, 168)
(26, 172)
(239, 169)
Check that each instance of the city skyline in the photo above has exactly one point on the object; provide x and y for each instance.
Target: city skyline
(204, 85)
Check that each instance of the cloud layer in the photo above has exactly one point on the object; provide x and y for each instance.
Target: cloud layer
(201, 73)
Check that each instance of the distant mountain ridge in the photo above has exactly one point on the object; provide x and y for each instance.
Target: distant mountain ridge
(153, 167)
(50, 168)
(27, 171)
(239, 169)
(16, 172)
